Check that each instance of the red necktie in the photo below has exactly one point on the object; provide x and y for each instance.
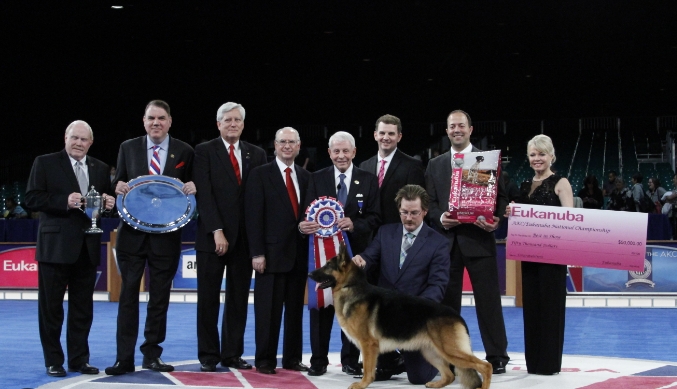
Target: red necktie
(382, 172)
(155, 162)
(236, 165)
(292, 192)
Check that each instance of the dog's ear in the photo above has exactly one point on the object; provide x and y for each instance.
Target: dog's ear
(342, 256)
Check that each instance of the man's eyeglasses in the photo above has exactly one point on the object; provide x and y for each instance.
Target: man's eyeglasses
(412, 213)
(287, 142)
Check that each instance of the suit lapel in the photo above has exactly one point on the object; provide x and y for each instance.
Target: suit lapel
(303, 183)
(245, 155)
(370, 164)
(70, 173)
(280, 186)
(397, 158)
(224, 156)
(419, 243)
(445, 173)
(355, 187)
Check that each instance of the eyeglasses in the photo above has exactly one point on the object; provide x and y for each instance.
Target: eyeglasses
(412, 213)
(287, 142)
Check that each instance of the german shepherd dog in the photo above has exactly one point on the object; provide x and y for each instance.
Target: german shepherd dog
(378, 320)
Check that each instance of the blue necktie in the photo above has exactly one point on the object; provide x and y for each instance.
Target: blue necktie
(342, 193)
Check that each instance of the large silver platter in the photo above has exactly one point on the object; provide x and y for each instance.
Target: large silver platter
(156, 204)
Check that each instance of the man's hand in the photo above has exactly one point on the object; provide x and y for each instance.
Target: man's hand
(346, 224)
(221, 243)
(359, 261)
(507, 209)
(74, 200)
(308, 228)
(259, 263)
(448, 222)
(189, 188)
(489, 227)
(121, 188)
(109, 201)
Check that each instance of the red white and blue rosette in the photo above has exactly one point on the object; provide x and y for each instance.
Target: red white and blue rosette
(324, 244)
(326, 211)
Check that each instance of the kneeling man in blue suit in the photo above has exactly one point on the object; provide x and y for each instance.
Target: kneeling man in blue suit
(412, 259)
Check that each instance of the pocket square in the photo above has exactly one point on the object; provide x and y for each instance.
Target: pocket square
(180, 165)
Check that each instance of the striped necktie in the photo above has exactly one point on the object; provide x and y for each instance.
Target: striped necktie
(407, 242)
(155, 162)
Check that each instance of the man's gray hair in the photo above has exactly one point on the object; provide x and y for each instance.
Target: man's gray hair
(342, 136)
(91, 133)
(227, 107)
(298, 137)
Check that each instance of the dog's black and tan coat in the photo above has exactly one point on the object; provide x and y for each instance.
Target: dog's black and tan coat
(378, 320)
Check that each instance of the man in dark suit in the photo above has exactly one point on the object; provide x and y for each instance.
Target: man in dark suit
(222, 168)
(413, 259)
(473, 246)
(66, 255)
(361, 216)
(156, 153)
(393, 168)
(279, 252)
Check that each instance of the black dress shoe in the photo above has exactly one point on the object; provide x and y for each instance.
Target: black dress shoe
(208, 366)
(382, 375)
(316, 370)
(56, 371)
(499, 367)
(266, 369)
(296, 366)
(120, 368)
(156, 364)
(237, 363)
(85, 368)
(352, 369)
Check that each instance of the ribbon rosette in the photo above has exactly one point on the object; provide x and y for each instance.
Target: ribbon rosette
(324, 244)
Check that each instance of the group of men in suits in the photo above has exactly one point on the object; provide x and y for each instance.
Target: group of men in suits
(252, 219)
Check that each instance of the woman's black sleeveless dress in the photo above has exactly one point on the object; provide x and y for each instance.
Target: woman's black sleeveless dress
(543, 295)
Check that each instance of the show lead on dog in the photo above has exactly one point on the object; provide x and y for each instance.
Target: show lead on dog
(473, 246)
(66, 256)
(274, 195)
(222, 167)
(155, 153)
(361, 217)
(413, 259)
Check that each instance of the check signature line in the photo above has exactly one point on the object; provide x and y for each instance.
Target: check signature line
(586, 251)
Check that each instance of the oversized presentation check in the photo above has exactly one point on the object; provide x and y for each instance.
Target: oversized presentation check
(577, 236)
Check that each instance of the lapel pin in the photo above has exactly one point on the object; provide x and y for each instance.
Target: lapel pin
(171, 156)
(357, 182)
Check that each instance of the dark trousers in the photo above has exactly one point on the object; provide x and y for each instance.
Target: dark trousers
(272, 291)
(162, 269)
(483, 273)
(53, 278)
(210, 269)
(544, 298)
(321, 322)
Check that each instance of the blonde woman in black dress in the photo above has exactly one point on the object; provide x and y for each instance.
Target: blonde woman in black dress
(544, 285)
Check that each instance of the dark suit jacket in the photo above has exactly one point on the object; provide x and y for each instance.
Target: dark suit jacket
(425, 271)
(322, 183)
(61, 231)
(132, 163)
(473, 241)
(220, 199)
(272, 227)
(403, 170)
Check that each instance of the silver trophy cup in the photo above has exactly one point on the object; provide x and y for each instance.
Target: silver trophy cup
(94, 205)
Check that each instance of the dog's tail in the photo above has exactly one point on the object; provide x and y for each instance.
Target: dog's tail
(469, 378)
